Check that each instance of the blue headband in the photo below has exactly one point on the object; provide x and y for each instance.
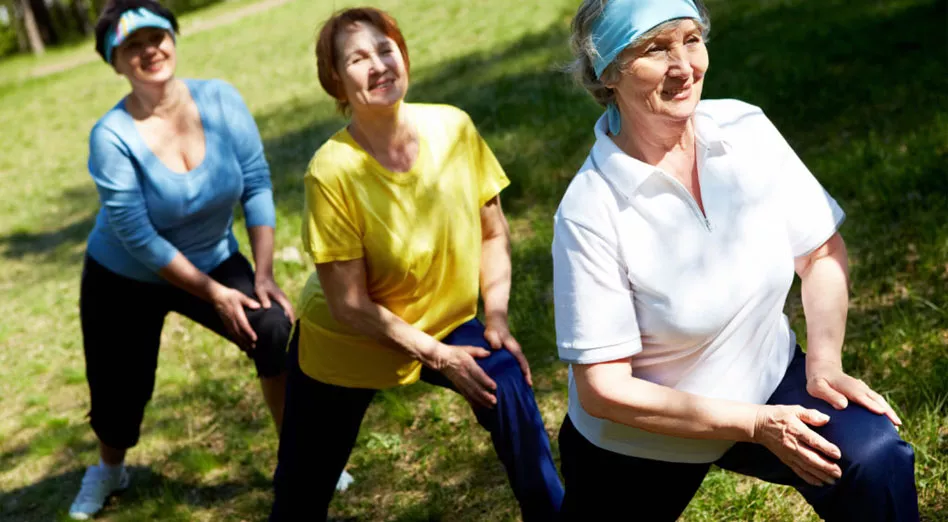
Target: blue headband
(131, 21)
(621, 22)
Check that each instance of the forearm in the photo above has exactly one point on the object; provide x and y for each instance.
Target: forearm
(825, 293)
(374, 320)
(660, 409)
(495, 275)
(183, 274)
(261, 243)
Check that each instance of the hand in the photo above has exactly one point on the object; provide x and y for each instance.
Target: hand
(266, 289)
(497, 334)
(784, 431)
(458, 365)
(830, 383)
(229, 304)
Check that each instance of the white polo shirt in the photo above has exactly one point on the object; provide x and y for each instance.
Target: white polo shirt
(696, 300)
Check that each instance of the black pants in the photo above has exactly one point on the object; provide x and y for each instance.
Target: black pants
(878, 482)
(121, 331)
(322, 420)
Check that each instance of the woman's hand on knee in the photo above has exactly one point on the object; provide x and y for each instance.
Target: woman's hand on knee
(267, 289)
(229, 304)
(458, 364)
(785, 432)
(834, 386)
(497, 333)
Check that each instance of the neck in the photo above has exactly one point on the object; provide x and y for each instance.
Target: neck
(381, 128)
(652, 141)
(157, 100)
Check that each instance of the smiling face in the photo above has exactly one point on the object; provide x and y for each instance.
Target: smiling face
(663, 76)
(370, 67)
(147, 56)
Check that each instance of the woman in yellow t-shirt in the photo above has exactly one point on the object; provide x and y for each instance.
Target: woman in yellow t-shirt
(404, 223)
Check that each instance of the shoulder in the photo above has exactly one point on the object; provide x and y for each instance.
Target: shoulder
(334, 161)
(739, 120)
(589, 200)
(447, 117)
(213, 89)
(111, 129)
(727, 111)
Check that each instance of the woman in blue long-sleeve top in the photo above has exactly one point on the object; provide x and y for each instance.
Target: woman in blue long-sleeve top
(170, 161)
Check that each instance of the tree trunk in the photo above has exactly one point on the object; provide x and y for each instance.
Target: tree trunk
(32, 31)
(44, 22)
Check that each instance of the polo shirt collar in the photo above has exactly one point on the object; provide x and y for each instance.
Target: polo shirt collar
(626, 173)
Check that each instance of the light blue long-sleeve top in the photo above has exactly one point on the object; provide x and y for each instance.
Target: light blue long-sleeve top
(149, 213)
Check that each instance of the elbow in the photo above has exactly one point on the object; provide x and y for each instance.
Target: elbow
(593, 401)
(346, 310)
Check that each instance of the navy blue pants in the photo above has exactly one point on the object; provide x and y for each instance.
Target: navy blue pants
(321, 422)
(878, 482)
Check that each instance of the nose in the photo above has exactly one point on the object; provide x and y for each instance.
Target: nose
(377, 64)
(679, 62)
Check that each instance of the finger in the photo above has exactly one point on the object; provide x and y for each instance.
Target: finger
(237, 335)
(818, 466)
(249, 302)
(264, 298)
(244, 325)
(493, 339)
(287, 307)
(870, 403)
(821, 389)
(889, 411)
(806, 476)
(475, 352)
(479, 397)
(482, 379)
(813, 417)
(521, 358)
(817, 442)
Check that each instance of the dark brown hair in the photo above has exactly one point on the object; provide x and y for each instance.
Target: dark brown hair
(327, 53)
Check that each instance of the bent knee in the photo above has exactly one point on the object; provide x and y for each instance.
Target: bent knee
(273, 327)
(502, 366)
(881, 454)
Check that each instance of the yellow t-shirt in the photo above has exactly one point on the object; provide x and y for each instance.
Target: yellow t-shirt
(419, 233)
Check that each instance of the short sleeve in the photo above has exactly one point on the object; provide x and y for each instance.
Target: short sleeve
(491, 176)
(330, 230)
(812, 215)
(593, 301)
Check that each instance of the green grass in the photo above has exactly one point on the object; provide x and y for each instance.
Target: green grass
(859, 93)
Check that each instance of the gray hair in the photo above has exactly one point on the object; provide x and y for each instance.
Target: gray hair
(585, 53)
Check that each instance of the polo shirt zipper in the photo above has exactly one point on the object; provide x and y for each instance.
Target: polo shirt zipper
(691, 201)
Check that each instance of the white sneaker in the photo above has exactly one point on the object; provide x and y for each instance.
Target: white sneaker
(345, 480)
(97, 485)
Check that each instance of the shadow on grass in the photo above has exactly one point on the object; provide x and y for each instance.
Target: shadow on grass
(63, 227)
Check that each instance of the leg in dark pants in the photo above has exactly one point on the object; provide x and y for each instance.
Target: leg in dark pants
(603, 485)
(878, 482)
(320, 426)
(515, 426)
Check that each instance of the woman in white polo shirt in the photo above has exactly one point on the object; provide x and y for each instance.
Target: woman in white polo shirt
(674, 250)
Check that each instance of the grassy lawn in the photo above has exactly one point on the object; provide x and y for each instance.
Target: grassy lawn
(860, 93)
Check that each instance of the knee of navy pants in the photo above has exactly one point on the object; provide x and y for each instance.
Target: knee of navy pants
(878, 482)
(515, 426)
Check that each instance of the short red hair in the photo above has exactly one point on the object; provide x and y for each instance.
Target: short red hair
(327, 53)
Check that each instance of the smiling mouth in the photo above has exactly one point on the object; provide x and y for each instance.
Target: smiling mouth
(153, 66)
(684, 92)
(383, 85)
